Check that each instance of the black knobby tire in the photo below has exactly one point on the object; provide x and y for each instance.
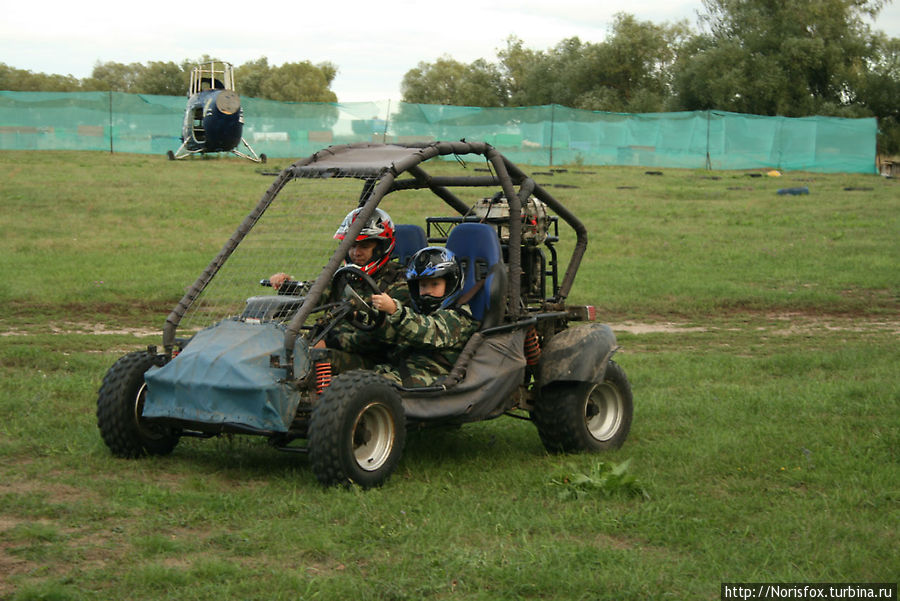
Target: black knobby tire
(357, 431)
(119, 406)
(579, 416)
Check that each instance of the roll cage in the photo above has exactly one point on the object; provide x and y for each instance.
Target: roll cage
(389, 168)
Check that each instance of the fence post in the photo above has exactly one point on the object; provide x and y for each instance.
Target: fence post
(708, 162)
(552, 117)
(110, 123)
(387, 120)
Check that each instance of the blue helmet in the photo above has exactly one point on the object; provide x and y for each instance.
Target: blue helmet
(434, 262)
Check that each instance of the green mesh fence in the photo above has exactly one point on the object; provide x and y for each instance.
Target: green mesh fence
(542, 135)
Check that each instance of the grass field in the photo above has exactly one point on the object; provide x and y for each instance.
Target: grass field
(760, 333)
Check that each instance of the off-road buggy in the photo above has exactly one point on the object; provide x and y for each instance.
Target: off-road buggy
(237, 361)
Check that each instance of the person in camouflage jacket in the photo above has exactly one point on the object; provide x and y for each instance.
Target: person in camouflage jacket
(422, 340)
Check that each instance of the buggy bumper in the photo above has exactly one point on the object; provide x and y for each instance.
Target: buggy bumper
(224, 381)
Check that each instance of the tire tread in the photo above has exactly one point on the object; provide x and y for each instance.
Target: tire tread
(327, 430)
(559, 417)
(115, 417)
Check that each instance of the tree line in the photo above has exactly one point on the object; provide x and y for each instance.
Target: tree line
(290, 82)
(792, 58)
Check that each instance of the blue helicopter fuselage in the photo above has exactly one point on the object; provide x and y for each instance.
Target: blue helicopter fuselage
(213, 121)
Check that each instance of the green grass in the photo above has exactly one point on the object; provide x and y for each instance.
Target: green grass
(760, 334)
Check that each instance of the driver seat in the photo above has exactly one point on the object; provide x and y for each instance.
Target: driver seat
(477, 247)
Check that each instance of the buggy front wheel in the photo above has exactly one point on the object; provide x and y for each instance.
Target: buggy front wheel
(357, 431)
(120, 404)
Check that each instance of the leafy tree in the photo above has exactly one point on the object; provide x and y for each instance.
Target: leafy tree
(636, 62)
(58, 83)
(777, 57)
(300, 82)
(537, 78)
(296, 82)
(529, 74)
(165, 79)
(12, 78)
(25, 81)
(628, 72)
(249, 77)
(115, 77)
(880, 91)
(483, 85)
(451, 82)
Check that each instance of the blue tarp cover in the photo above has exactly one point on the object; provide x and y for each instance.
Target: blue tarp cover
(224, 377)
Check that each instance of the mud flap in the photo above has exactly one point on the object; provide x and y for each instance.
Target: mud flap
(577, 354)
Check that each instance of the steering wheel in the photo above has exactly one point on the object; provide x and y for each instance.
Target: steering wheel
(340, 287)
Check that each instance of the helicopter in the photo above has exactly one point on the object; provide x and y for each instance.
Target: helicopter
(214, 117)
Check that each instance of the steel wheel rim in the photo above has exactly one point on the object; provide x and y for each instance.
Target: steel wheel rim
(145, 430)
(603, 411)
(373, 437)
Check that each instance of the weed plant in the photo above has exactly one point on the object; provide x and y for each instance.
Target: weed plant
(760, 334)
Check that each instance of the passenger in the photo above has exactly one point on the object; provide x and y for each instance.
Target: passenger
(424, 338)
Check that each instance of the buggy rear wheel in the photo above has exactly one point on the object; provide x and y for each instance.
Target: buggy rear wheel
(582, 416)
(120, 404)
(357, 431)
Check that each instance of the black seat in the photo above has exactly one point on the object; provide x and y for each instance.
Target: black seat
(477, 248)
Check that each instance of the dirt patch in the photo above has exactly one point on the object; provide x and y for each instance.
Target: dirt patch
(792, 324)
(780, 324)
(90, 550)
(101, 330)
(786, 324)
(655, 328)
(54, 493)
(11, 565)
(83, 328)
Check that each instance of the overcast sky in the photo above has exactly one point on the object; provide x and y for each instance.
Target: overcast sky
(373, 44)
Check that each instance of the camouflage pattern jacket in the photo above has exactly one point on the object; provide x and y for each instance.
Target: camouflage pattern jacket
(419, 349)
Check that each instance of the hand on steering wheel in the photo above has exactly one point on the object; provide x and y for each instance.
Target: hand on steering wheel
(341, 287)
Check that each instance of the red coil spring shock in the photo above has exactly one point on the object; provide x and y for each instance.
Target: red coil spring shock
(323, 376)
(532, 347)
